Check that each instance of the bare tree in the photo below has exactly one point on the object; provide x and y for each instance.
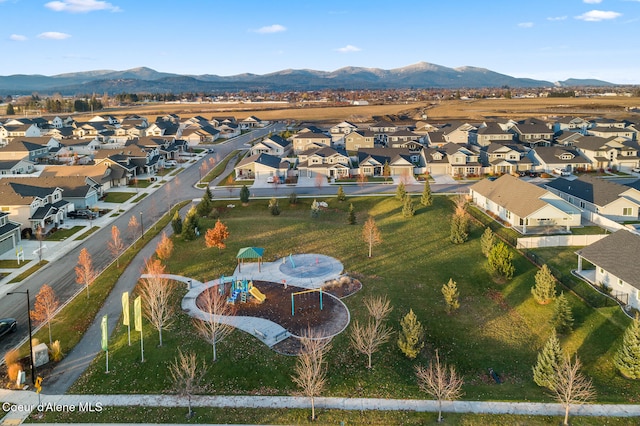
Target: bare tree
(45, 307)
(116, 245)
(156, 290)
(571, 386)
(214, 305)
(85, 274)
(440, 381)
(187, 376)
(133, 227)
(371, 234)
(379, 307)
(367, 339)
(164, 247)
(311, 370)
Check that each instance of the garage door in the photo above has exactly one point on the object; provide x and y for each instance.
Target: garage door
(6, 244)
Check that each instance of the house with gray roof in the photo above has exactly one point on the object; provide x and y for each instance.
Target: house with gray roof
(609, 152)
(32, 203)
(401, 161)
(9, 233)
(261, 166)
(532, 133)
(547, 158)
(272, 145)
(604, 132)
(324, 161)
(503, 158)
(526, 207)
(612, 200)
(616, 266)
(490, 132)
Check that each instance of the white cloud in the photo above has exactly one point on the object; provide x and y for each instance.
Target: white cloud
(53, 35)
(17, 37)
(598, 15)
(525, 24)
(592, 1)
(556, 18)
(81, 6)
(270, 29)
(348, 49)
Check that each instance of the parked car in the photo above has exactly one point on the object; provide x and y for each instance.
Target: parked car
(562, 172)
(82, 214)
(7, 325)
(636, 170)
(171, 163)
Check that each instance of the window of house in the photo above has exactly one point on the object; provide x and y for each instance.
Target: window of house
(620, 283)
(508, 214)
(627, 211)
(601, 270)
(582, 204)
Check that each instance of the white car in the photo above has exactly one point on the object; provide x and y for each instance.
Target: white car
(271, 179)
(636, 170)
(171, 163)
(562, 172)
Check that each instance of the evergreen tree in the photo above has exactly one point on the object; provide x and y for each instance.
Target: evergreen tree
(10, 110)
(410, 340)
(293, 199)
(273, 206)
(562, 315)
(451, 295)
(426, 199)
(208, 194)
(315, 209)
(341, 195)
(176, 223)
(627, 358)
(401, 191)
(459, 229)
(386, 170)
(190, 224)
(408, 209)
(205, 205)
(500, 261)
(352, 215)
(549, 360)
(244, 194)
(487, 241)
(544, 291)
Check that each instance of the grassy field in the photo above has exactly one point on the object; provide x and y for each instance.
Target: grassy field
(497, 326)
(117, 197)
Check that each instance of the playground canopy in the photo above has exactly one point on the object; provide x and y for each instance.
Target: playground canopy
(249, 253)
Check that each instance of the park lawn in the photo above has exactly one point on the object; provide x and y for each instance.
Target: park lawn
(498, 326)
(117, 197)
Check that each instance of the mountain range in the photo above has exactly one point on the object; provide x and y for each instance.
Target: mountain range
(140, 80)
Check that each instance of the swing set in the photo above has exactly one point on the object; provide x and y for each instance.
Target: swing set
(319, 290)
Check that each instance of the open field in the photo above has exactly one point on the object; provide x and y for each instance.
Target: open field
(498, 325)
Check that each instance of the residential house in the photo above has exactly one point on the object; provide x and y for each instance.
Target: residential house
(381, 129)
(612, 200)
(9, 233)
(228, 130)
(533, 133)
(616, 267)
(162, 128)
(98, 176)
(567, 138)
(548, 158)
(611, 152)
(401, 161)
(359, 139)
(75, 151)
(574, 124)
(261, 166)
(503, 158)
(343, 128)
(463, 162)
(459, 132)
(324, 161)
(32, 149)
(524, 206)
(629, 133)
(400, 137)
(272, 145)
(220, 120)
(31, 203)
(8, 132)
(437, 160)
(435, 139)
(490, 132)
(306, 140)
(251, 122)
(16, 167)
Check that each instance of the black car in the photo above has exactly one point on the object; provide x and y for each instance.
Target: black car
(7, 325)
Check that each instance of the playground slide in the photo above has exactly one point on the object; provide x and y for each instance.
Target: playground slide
(260, 297)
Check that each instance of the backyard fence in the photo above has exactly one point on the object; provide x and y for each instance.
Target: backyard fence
(558, 241)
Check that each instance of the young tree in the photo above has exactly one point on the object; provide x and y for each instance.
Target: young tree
(386, 170)
(627, 358)
(571, 386)
(133, 227)
(367, 339)
(164, 247)
(562, 315)
(45, 307)
(544, 290)
(215, 236)
(451, 295)
(187, 376)
(315, 209)
(156, 291)
(205, 205)
(244, 195)
(341, 195)
(459, 221)
(85, 273)
(212, 330)
(293, 199)
(440, 381)
(274, 208)
(408, 209)
(411, 336)
(311, 369)
(351, 218)
(487, 241)
(379, 307)
(500, 261)
(10, 110)
(176, 223)
(549, 360)
(190, 225)
(401, 191)
(116, 245)
(371, 234)
(362, 179)
(426, 199)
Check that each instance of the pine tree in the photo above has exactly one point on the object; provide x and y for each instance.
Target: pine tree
(544, 291)
(459, 229)
(205, 205)
(273, 206)
(293, 199)
(208, 194)
(176, 223)
(190, 224)
(315, 209)
(411, 341)
(426, 199)
(451, 295)
(10, 110)
(244, 194)
(500, 261)
(562, 315)
(549, 360)
(487, 241)
(352, 215)
(341, 195)
(627, 358)
(408, 209)
(401, 191)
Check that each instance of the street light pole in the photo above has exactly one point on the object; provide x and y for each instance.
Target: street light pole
(141, 227)
(33, 367)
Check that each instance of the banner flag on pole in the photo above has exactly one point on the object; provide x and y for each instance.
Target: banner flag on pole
(125, 308)
(105, 334)
(137, 313)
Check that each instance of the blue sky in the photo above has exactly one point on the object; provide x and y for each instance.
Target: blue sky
(544, 39)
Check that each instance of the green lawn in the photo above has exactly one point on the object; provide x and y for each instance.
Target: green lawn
(26, 274)
(497, 326)
(118, 197)
(63, 234)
